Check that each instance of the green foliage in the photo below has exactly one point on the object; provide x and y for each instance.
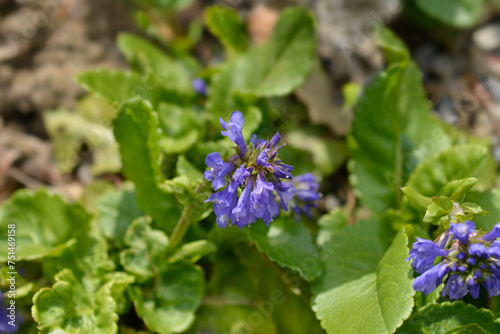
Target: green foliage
(365, 288)
(225, 24)
(146, 58)
(274, 68)
(116, 210)
(153, 251)
(147, 246)
(68, 308)
(450, 318)
(44, 224)
(387, 140)
(394, 49)
(275, 241)
(454, 13)
(136, 129)
(170, 306)
(431, 177)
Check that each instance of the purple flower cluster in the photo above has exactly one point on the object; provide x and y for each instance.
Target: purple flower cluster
(257, 170)
(307, 195)
(466, 259)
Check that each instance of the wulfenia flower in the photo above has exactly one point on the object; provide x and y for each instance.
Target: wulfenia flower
(307, 195)
(467, 258)
(255, 181)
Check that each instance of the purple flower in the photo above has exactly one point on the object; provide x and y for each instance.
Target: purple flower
(241, 215)
(493, 234)
(224, 202)
(261, 195)
(263, 157)
(431, 279)
(462, 232)
(218, 170)
(471, 261)
(492, 285)
(234, 131)
(199, 85)
(424, 253)
(479, 251)
(257, 170)
(306, 196)
(286, 191)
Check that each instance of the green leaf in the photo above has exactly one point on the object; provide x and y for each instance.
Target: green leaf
(490, 201)
(182, 127)
(394, 49)
(192, 251)
(455, 13)
(277, 295)
(417, 200)
(274, 68)
(147, 58)
(363, 290)
(327, 155)
(44, 224)
(473, 208)
(69, 131)
(434, 214)
(229, 303)
(457, 189)
(117, 283)
(289, 244)
(137, 131)
(443, 202)
(170, 306)
(185, 168)
(330, 224)
(87, 258)
(385, 152)
(147, 249)
(67, 308)
(431, 177)
(117, 209)
(225, 24)
(447, 317)
(117, 86)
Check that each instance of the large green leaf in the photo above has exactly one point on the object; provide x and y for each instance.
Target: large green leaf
(68, 308)
(289, 244)
(363, 290)
(137, 131)
(450, 318)
(392, 132)
(117, 209)
(455, 13)
(170, 306)
(147, 58)
(459, 162)
(44, 224)
(225, 24)
(274, 68)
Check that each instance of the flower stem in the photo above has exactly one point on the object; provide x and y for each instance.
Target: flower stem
(187, 217)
